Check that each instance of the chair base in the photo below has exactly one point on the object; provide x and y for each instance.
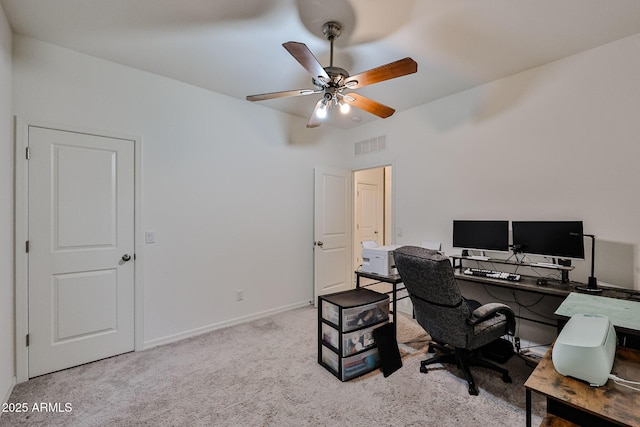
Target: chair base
(463, 359)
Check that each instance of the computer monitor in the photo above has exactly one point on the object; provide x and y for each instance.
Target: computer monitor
(561, 239)
(489, 235)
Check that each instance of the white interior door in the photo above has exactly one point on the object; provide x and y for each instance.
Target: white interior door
(369, 223)
(81, 242)
(332, 231)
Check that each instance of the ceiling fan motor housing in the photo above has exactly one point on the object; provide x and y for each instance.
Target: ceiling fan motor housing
(337, 75)
(332, 30)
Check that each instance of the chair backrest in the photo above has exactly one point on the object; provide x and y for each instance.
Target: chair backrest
(437, 302)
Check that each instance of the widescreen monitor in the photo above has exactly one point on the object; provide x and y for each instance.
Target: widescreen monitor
(561, 239)
(484, 235)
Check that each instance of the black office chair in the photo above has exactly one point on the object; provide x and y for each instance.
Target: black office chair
(455, 329)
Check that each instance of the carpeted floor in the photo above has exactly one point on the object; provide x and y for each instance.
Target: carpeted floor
(265, 373)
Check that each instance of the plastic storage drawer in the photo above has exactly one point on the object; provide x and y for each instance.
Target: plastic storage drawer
(346, 321)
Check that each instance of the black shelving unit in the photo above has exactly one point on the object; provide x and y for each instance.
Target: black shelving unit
(346, 321)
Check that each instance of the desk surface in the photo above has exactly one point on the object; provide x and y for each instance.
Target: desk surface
(526, 283)
(612, 402)
(553, 287)
(623, 314)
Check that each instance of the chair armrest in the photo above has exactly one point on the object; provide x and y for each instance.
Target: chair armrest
(487, 311)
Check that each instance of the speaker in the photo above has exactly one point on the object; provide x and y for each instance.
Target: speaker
(564, 273)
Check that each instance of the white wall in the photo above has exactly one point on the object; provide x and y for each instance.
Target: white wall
(227, 185)
(6, 214)
(556, 142)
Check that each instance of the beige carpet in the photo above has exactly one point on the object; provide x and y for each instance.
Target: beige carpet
(265, 373)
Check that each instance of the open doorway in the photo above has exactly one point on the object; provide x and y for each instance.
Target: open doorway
(372, 209)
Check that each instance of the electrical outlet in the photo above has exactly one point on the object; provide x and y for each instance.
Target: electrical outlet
(239, 295)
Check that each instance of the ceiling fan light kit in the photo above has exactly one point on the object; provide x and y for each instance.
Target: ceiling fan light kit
(332, 81)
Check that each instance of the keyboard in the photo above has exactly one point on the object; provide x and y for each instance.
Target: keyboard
(492, 274)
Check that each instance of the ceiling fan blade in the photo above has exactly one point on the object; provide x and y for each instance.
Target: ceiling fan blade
(303, 55)
(283, 94)
(391, 70)
(314, 121)
(368, 105)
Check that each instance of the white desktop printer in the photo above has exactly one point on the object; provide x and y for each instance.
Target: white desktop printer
(378, 259)
(585, 348)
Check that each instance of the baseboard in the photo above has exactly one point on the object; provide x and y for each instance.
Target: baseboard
(232, 322)
(7, 395)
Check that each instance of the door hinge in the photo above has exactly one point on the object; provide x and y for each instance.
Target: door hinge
(27, 340)
(28, 153)
(26, 246)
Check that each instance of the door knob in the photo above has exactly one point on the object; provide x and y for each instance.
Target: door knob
(320, 243)
(126, 257)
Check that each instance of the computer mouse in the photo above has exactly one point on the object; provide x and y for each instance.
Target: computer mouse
(541, 281)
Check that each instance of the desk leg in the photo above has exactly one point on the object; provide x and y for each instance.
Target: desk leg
(357, 281)
(395, 312)
(528, 405)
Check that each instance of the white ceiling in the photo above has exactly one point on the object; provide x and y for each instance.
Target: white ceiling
(234, 47)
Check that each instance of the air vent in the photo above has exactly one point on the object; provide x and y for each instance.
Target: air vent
(372, 145)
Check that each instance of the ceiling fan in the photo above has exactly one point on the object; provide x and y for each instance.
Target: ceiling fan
(332, 81)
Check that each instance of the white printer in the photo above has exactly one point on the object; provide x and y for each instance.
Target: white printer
(585, 348)
(378, 259)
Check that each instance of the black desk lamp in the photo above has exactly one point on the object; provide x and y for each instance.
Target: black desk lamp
(592, 283)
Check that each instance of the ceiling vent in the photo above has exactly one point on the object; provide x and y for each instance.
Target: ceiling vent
(372, 145)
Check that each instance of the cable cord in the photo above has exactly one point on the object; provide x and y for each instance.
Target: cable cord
(548, 275)
(528, 306)
(622, 382)
(515, 297)
(537, 345)
(496, 297)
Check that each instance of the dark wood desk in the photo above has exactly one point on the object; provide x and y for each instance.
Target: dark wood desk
(526, 283)
(553, 287)
(575, 401)
(628, 298)
(394, 281)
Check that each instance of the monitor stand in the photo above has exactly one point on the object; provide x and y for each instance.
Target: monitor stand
(481, 257)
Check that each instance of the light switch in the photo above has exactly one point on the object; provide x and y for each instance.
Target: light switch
(149, 237)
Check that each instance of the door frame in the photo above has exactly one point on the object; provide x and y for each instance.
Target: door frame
(380, 211)
(394, 235)
(21, 142)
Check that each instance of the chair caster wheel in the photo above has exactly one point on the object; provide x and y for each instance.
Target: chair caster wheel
(506, 378)
(423, 369)
(473, 391)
